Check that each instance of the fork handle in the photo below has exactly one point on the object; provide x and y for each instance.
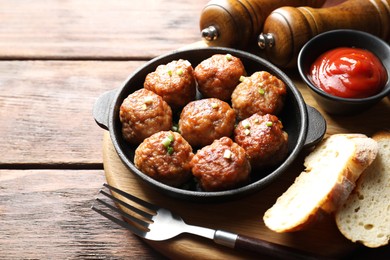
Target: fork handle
(260, 246)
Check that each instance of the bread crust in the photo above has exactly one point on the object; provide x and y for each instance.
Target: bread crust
(365, 215)
(322, 187)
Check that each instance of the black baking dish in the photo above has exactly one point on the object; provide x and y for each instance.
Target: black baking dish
(304, 124)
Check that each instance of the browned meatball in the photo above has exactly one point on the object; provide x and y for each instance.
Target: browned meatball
(263, 139)
(165, 157)
(142, 114)
(260, 93)
(174, 82)
(202, 121)
(220, 166)
(218, 75)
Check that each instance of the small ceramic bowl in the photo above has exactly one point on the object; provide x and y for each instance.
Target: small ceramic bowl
(304, 124)
(343, 38)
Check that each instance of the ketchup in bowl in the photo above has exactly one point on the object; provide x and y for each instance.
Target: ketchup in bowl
(349, 73)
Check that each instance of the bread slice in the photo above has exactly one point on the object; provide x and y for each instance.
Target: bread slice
(332, 169)
(365, 216)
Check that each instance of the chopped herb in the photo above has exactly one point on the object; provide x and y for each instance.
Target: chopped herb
(179, 72)
(269, 123)
(257, 120)
(171, 137)
(242, 78)
(214, 105)
(261, 91)
(170, 150)
(166, 142)
(227, 154)
(229, 57)
(170, 72)
(175, 128)
(247, 131)
(148, 100)
(246, 124)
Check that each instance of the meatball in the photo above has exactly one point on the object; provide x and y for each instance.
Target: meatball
(220, 166)
(263, 139)
(202, 121)
(260, 93)
(174, 82)
(165, 156)
(218, 75)
(142, 114)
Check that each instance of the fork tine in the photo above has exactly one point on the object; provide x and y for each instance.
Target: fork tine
(122, 223)
(130, 207)
(133, 198)
(124, 214)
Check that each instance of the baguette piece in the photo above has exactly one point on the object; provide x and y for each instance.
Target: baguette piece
(332, 169)
(365, 216)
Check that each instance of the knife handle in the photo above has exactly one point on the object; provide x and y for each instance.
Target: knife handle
(287, 29)
(236, 23)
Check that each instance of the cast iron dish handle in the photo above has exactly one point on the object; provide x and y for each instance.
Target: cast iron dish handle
(102, 107)
(316, 127)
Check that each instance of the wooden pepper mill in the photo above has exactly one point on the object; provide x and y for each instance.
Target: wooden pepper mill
(287, 29)
(235, 23)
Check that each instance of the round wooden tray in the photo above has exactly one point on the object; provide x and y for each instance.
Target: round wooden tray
(240, 216)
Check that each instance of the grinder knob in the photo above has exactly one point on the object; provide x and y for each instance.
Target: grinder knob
(287, 29)
(236, 23)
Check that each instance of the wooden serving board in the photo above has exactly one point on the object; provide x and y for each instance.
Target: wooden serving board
(245, 215)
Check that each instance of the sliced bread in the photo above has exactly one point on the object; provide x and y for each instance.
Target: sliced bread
(331, 171)
(365, 216)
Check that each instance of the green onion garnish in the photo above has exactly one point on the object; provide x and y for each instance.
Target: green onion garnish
(175, 128)
(166, 142)
(148, 100)
(179, 72)
(261, 91)
(269, 123)
(246, 124)
(171, 137)
(242, 78)
(227, 154)
(229, 57)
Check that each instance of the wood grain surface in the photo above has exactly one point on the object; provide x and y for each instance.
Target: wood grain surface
(45, 214)
(99, 29)
(56, 58)
(46, 109)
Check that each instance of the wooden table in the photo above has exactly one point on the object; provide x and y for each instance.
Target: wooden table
(56, 58)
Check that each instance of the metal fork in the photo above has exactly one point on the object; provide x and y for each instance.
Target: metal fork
(156, 223)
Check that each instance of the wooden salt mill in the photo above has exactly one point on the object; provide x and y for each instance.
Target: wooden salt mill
(287, 29)
(235, 23)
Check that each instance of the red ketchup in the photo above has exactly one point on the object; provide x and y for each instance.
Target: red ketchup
(349, 73)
